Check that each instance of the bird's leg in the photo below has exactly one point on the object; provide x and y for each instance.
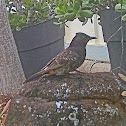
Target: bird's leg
(79, 72)
(43, 77)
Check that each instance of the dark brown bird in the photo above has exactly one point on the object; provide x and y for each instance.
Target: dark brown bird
(68, 60)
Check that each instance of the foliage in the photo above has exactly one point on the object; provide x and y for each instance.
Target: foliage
(119, 5)
(68, 10)
(31, 12)
(28, 12)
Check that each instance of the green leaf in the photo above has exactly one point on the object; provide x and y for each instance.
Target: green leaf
(61, 19)
(76, 6)
(27, 1)
(85, 7)
(44, 4)
(37, 6)
(25, 5)
(66, 6)
(70, 16)
(86, 13)
(56, 10)
(13, 22)
(85, 1)
(86, 19)
(30, 3)
(122, 1)
(24, 18)
(46, 8)
(61, 11)
(11, 16)
(119, 9)
(59, 16)
(60, 5)
(45, 14)
(70, 11)
(16, 17)
(18, 28)
(19, 23)
(82, 19)
(57, 23)
(124, 17)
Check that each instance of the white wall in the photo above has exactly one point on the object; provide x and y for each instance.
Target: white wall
(91, 29)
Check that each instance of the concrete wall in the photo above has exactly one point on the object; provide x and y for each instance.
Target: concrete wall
(92, 29)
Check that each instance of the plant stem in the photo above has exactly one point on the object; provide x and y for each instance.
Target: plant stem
(121, 40)
(114, 34)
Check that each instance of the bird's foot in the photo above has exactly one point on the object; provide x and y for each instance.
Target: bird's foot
(79, 72)
(45, 76)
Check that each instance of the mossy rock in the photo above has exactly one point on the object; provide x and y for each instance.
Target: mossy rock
(75, 99)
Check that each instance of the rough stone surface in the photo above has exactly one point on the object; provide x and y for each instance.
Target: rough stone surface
(93, 66)
(73, 100)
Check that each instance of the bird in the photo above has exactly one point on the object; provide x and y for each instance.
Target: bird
(68, 60)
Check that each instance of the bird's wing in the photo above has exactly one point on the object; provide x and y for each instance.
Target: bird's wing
(62, 59)
(66, 58)
(52, 64)
(44, 70)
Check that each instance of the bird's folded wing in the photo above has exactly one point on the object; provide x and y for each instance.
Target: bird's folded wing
(52, 64)
(61, 59)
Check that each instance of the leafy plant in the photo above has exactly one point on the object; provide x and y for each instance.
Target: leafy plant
(68, 10)
(30, 12)
(119, 5)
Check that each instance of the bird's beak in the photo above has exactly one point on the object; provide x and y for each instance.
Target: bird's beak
(93, 38)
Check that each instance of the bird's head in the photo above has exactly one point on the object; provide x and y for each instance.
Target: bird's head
(81, 39)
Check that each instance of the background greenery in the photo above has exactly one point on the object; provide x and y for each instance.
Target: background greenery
(23, 13)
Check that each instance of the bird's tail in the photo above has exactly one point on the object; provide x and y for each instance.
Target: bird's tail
(35, 76)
